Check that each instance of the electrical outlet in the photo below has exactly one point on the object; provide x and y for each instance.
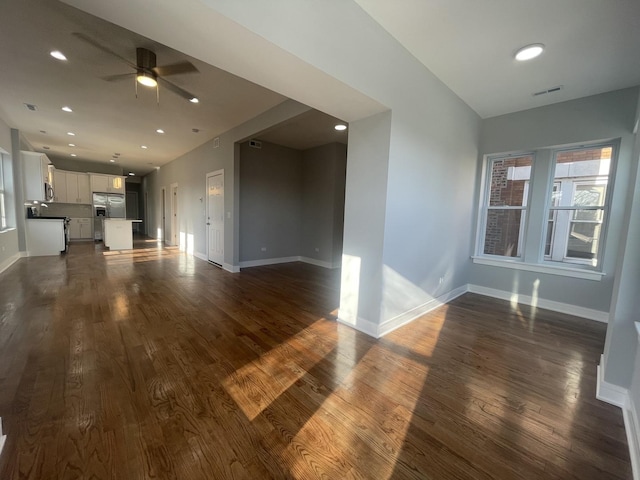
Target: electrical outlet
(263, 249)
(441, 280)
(317, 250)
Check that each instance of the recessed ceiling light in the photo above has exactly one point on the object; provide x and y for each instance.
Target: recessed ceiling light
(58, 55)
(194, 100)
(112, 160)
(340, 127)
(131, 173)
(71, 133)
(144, 147)
(529, 52)
(116, 154)
(160, 131)
(72, 144)
(67, 109)
(73, 155)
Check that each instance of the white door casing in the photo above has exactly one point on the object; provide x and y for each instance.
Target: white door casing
(174, 214)
(215, 217)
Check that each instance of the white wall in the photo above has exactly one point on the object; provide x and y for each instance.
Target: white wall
(600, 117)
(622, 339)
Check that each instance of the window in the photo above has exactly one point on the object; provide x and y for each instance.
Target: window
(3, 212)
(578, 203)
(553, 202)
(505, 206)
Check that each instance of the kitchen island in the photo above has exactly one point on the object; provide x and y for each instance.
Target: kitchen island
(118, 233)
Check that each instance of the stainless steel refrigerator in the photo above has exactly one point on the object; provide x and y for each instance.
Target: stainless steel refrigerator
(106, 205)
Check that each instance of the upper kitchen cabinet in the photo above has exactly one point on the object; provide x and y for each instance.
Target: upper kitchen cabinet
(71, 187)
(36, 176)
(107, 183)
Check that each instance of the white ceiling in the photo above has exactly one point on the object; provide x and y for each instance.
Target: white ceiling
(107, 116)
(591, 48)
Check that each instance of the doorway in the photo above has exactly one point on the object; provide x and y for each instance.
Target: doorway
(174, 214)
(132, 208)
(215, 217)
(164, 235)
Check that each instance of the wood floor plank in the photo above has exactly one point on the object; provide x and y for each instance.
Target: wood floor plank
(153, 364)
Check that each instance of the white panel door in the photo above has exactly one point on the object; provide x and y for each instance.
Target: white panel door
(215, 217)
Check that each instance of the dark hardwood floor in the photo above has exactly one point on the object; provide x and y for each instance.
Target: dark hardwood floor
(157, 365)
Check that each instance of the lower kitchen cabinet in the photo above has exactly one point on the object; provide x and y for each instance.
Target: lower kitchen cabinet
(81, 229)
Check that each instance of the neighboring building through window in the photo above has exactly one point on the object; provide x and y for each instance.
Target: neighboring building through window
(572, 228)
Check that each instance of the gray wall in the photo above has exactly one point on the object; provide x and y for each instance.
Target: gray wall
(323, 183)
(292, 202)
(270, 201)
(600, 117)
(189, 172)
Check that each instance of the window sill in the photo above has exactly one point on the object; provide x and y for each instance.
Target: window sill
(8, 229)
(540, 268)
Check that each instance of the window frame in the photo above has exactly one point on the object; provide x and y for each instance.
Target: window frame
(534, 228)
(484, 206)
(575, 262)
(3, 203)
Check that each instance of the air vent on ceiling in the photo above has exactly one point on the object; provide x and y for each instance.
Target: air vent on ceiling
(255, 143)
(31, 106)
(549, 90)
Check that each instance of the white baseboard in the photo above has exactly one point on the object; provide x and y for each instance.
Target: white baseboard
(200, 255)
(362, 325)
(275, 261)
(319, 263)
(410, 315)
(11, 260)
(230, 268)
(560, 307)
(608, 392)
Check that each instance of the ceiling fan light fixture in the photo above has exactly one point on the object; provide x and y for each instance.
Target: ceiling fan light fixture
(529, 52)
(146, 79)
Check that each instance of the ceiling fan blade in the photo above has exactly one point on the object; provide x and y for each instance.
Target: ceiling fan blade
(175, 69)
(99, 46)
(176, 89)
(118, 77)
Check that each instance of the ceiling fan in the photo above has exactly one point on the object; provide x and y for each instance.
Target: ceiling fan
(147, 73)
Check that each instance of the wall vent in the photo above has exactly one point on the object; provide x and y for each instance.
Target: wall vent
(31, 106)
(549, 90)
(255, 143)
(216, 142)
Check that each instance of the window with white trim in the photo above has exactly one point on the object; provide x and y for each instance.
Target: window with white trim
(3, 212)
(562, 220)
(505, 206)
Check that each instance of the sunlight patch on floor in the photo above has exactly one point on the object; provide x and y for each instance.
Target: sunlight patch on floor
(257, 384)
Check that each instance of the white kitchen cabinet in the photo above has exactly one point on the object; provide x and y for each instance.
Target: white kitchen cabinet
(107, 183)
(71, 187)
(36, 177)
(59, 186)
(80, 229)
